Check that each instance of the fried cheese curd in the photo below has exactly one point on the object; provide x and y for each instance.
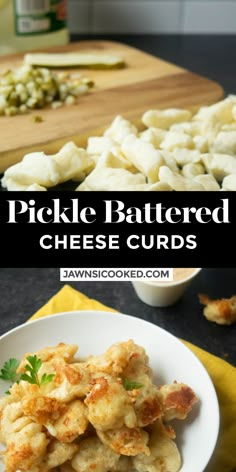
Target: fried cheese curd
(221, 311)
(103, 413)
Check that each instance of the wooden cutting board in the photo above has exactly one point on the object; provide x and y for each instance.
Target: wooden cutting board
(146, 82)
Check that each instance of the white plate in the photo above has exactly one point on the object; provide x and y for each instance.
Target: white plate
(170, 360)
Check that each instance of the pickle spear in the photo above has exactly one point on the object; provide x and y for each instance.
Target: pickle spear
(74, 59)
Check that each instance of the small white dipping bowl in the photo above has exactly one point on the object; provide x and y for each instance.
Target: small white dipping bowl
(162, 293)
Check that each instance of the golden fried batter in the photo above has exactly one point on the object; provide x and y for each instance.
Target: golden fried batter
(177, 400)
(126, 441)
(59, 453)
(222, 311)
(72, 423)
(95, 456)
(109, 405)
(25, 440)
(147, 405)
(117, 358)
(42, 408)
(164, 455)
(102, 414)
(62, 350)
(70, 382)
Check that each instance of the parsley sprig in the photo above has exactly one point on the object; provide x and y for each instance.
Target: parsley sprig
(33, 366)
(9, 371)
(131, 385)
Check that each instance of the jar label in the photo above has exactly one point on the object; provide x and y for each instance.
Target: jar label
(39, 16)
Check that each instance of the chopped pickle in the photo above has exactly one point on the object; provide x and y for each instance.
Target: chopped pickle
(29, 88)
(72, 59)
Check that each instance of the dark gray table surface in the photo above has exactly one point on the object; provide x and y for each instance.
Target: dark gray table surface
(23, 291)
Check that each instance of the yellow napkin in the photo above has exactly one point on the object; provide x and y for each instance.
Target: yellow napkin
(221, 372)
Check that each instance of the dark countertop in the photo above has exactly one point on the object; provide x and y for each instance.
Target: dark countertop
(24, 291)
